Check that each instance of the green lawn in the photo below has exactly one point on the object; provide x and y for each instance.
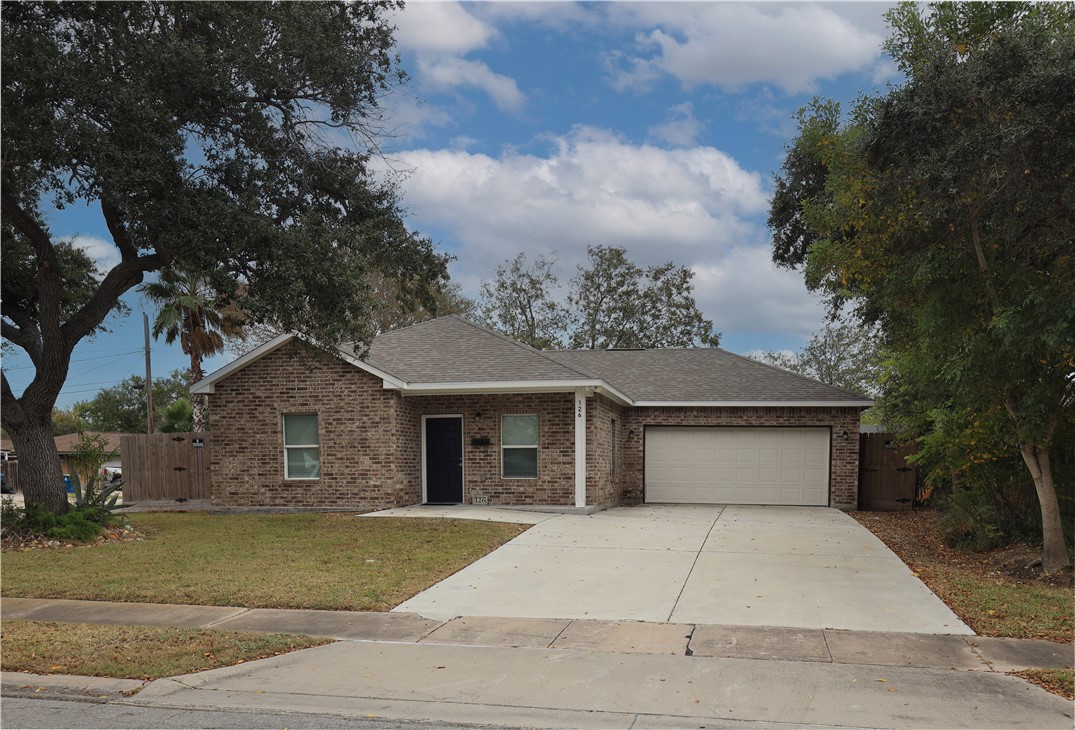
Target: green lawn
(320, 561)
(134, 652)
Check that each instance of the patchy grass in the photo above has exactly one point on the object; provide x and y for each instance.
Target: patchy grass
(1057, 681)
(134, 652)
(992, 592)
(321, 561)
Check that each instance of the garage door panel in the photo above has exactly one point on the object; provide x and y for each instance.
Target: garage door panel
(737, 465)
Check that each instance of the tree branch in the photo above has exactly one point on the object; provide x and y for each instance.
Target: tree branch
(21, 331)
(11, 413)
(118, 230)
(48, 269)
(119, 280)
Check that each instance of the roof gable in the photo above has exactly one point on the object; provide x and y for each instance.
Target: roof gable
(454, 350)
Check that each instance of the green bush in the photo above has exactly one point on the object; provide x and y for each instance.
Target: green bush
(995, 506)
(81, 524)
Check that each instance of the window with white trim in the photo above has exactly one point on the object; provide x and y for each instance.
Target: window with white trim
(302, 446)
(519, 447)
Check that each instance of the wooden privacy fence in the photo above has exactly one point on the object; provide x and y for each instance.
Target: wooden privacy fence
(886, 481)
(165, 466)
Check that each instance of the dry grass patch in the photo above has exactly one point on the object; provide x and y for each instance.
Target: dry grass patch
(339, 562)
(992, 592)
(1058, 681)
(134, 652)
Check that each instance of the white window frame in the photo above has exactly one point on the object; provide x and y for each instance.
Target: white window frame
(503, 447)
(283, 434)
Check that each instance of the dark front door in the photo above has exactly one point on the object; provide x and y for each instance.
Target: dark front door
(444, 460)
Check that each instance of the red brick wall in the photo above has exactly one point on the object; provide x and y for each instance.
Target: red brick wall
(555, 483)
(371, 439)
(843, 476)
(604, 480)
(364, 464)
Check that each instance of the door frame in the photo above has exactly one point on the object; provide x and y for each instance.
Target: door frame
(462, 452)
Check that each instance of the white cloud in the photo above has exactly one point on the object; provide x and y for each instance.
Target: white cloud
(441, 34)
(680, 127)
(444, 73)
(743, 290)
(441, 27)
(592, 187)
(730, 45)
(103, 253)
(695, 206)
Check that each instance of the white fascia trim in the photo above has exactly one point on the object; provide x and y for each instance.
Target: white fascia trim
(509, 386)
(390, 381)
(208, 383)
(754, 404)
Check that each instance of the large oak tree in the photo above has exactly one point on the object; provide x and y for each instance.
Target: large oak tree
(943, 209)
(231, 140)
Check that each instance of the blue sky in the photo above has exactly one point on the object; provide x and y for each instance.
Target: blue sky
(547, 127)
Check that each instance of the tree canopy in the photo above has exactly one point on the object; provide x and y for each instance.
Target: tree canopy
(610, 303)
(945, 216)
(232, 140)
(842, 353)
(122, 408)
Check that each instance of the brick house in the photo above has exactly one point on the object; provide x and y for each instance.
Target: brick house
(450, 412)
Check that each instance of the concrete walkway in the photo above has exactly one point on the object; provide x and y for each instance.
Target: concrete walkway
(830, 646)
(576, 673)
(806, 567)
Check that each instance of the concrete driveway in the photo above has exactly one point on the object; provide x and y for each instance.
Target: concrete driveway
(809, 567)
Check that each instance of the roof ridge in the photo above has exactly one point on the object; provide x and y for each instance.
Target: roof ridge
(792, 372)
(523, 345)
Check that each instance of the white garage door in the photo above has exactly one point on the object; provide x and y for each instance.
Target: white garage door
(737, 465)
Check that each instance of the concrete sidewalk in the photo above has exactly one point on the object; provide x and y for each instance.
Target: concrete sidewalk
(563, 673)
(935, 651)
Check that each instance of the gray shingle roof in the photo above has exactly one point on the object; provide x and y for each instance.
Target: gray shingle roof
(453, 350)
(708, 374)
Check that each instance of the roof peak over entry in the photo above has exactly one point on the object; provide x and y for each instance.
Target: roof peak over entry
(452, 354)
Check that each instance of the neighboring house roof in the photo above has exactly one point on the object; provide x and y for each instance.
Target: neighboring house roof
(66, 444)
(453, 355)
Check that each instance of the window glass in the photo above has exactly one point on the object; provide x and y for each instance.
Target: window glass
(520, 431)
(518, 443)
(520, 463)
(303, 463)
(300, 429)
(302, 453)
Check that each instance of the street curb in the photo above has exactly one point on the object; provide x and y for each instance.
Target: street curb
(67, 686)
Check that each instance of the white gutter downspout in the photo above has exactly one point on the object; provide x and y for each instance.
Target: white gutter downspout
(580, 446)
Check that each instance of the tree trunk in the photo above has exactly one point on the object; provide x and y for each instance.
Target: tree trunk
(1054, 555)
(198, 403)
(39, 465)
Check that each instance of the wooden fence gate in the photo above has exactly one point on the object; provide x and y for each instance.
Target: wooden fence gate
(886, 481)
(165, 466)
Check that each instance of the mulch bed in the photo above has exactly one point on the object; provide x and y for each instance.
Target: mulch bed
(915, 538)
(116, 533)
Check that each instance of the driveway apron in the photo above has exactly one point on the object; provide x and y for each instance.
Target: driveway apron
(809, 567)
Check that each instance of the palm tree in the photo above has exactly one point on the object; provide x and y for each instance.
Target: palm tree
(190, 311)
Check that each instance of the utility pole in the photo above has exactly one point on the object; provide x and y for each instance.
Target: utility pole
(149, 379)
